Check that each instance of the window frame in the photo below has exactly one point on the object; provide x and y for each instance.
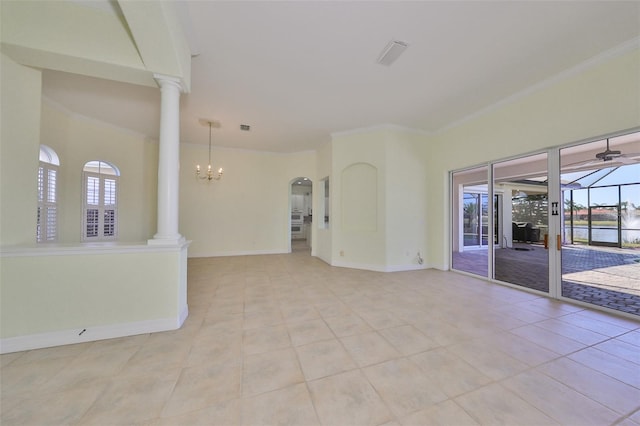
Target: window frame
(47, 207)
(103, 206)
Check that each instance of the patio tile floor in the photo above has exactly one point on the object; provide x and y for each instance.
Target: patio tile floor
(600, 276)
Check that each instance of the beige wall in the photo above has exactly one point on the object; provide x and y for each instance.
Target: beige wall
(600, 100)
(19, 147)
(247, 211)
(382, 168)
(48, 294)
(78, 140)
(407, 200)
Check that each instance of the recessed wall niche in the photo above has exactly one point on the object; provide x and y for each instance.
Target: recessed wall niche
(360, 198)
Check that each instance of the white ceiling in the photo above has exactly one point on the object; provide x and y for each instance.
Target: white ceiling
(299, 71)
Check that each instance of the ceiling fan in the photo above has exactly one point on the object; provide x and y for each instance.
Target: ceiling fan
(607, 158)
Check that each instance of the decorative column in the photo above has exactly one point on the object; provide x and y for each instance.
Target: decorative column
(168, 162)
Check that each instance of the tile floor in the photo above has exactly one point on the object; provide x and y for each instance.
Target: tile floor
(289, 340)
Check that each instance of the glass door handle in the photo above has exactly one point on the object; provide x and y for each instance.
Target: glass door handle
(546, 241)
(558, 242)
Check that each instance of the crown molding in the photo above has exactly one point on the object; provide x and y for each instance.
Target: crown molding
(621, 49)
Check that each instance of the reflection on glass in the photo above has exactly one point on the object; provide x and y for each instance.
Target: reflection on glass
(601, 245)
(470, 221)
(520, 186)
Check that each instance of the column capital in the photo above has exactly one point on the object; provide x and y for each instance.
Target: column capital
(162, 80)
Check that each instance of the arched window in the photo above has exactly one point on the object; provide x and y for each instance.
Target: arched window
(47, 217)
(100, 201)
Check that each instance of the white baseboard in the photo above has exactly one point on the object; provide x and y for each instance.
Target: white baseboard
(380, 268)
(400, 268)
(90, 334)
(237, 253)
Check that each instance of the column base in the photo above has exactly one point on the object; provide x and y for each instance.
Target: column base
(170, 241)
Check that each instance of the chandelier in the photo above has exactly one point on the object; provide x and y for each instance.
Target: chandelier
(210, 174)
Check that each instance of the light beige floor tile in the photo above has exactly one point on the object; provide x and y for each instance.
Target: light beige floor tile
(621, 349)
(452, 374)
(597, 386)
(549, 307)
(548, 339)
(55, 408)
(369, 348)
(632, 337)
(131, 399)
(442, 332)
(119, 344)
(221, 350)
(495, 405)
(323, 359)
(165, 352)
(332, 309)
(380, 319)
(6, 359)
(310, 331)
(347, 325)
(627, 422)
(289, 406)
(510, 312)
(89, 368)
(408, 340)
(611, 365)
(232, 298)
(391, 423)
(488, 360)
(258, 318)
(54, 353)
(219, 413)
(265, 339)
(214, 322)
(443, 414)
(404, 386)
(521, 348)
(201, 386)
(28, 378)
(618, 321)
(270, 371)
(573, 332)
(559, 401)
(601, 327)
(299, 312)
(348, 399)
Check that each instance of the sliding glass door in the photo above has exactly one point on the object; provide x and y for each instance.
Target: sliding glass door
(601, 229)
(521, 256)
(471, 221)
(565, 222)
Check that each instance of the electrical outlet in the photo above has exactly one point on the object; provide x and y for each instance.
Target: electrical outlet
(341, 253)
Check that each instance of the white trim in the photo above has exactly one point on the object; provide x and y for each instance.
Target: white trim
(87, 249)
(379, 268)
(621, 49)
(402, 268)
(238, 253)
(90, 334)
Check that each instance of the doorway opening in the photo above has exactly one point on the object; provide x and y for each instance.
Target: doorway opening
(301, 214)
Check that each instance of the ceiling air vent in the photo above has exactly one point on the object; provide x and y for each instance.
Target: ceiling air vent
(392, 51)
(245, 127)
